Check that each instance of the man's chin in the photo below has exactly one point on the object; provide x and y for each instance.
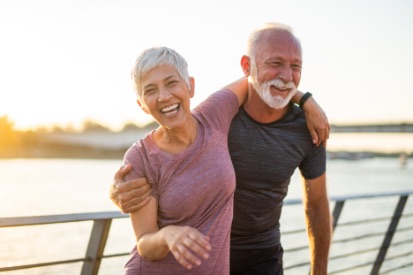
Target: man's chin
(279, 106)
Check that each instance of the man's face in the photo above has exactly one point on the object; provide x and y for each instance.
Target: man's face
(276, 71)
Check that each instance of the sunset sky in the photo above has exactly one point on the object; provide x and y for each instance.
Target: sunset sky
(62, 62)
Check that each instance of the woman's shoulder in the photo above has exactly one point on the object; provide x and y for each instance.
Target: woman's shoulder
(217, 102)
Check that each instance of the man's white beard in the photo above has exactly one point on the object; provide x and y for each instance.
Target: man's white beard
(277, 101)
(264, 90)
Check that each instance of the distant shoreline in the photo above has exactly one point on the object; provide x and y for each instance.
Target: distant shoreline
(88, 152)
(97, 142)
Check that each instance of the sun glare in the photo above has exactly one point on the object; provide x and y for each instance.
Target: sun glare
(63, 62)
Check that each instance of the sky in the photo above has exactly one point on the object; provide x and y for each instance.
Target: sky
(64, 62)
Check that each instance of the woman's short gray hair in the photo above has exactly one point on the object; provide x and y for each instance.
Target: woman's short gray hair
(154, 57)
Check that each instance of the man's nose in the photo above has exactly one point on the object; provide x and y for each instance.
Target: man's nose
(286, 74)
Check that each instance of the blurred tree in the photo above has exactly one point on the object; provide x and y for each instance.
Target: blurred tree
(8, 137)
(130, 127)
(92, 126)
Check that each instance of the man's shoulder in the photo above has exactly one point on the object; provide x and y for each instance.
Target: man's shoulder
(294, 116)
(296, 111)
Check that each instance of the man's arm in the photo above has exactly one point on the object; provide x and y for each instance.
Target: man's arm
(131, 195)
(318, 221)
(317, 122)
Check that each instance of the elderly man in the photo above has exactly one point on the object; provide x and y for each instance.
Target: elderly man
(268, 140)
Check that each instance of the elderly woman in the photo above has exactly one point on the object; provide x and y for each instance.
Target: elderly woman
(185, 228)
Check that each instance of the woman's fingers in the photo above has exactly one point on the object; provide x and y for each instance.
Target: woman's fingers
(190, 248)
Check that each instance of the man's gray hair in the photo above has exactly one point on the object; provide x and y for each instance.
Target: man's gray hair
(155, 57)
(253, 45)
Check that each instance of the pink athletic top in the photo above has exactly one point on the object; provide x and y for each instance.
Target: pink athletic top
(194, 187)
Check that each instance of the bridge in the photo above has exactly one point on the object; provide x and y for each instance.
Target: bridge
(373, 128)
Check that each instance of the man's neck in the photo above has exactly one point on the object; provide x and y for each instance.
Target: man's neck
(258, 110)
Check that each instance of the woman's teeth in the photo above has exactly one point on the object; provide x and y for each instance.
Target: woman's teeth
(170, 110)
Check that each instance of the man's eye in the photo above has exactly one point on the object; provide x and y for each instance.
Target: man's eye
(170, 83)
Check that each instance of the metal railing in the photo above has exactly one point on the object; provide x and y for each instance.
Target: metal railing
(383, 237)
(102, 222)
(97, 241)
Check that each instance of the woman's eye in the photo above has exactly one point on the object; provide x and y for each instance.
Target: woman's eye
(149, 91)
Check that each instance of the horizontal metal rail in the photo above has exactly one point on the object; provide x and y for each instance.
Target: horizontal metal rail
(97, 241)
(51, 219)
(381, 250)
(369, 128)
(102, 223)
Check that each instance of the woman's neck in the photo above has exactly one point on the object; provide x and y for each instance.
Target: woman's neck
(178, 139)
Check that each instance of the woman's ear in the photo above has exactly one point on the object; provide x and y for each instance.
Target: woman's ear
(245, 64)
(142, 105)
(191, 87)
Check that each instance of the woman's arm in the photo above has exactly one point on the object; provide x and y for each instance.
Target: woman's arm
(240, 89)
(187, 244)
(316, 119)
(149, 244)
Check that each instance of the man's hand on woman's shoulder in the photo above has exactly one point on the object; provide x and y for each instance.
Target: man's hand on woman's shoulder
(131, 195)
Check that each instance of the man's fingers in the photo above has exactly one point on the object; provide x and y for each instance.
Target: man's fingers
(134, 200)
(136, 204)
(134, 190)
(133, 194)
(121, 173)
(140, 185)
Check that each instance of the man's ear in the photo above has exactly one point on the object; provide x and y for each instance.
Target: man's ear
(191, 87)
(142, 105)
(245, 64)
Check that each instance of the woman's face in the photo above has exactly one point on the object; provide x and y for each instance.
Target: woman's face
(166, 96)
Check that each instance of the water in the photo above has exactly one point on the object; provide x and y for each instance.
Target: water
(375, 142)
(60, 186)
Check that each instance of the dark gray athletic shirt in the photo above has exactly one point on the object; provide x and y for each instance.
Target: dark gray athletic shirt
(265, 156)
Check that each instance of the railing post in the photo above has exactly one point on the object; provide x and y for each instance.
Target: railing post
(389, 235)
(96, 246)
(337, 211)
